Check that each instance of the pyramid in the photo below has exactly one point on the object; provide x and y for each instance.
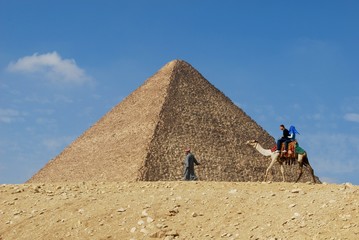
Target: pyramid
(143, 137)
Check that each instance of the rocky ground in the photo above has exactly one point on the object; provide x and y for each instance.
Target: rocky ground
(179, 210)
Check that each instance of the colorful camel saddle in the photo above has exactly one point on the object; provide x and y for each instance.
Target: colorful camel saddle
(290, 156)
(291, 150)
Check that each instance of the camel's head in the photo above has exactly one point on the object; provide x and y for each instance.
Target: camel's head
(252, 142)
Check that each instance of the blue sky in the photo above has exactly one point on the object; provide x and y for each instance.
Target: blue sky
(64, 64)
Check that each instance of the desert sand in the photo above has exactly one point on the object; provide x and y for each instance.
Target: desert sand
(179, 210)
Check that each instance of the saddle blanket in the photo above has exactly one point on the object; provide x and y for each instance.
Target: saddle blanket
(291, 150)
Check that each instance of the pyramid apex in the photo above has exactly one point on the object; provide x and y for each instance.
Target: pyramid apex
(176, 62)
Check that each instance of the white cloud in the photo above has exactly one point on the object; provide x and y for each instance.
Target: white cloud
(333, 153)
(9, 115)
(352, 117)
(56, 98)
(329, 180)
(57, 143)
(62, 98)
(308, 46)
(52, 66)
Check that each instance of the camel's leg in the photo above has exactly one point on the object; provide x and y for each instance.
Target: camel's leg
(282, 171)
(300, 172)
(274, 159)
(310, 169)
(311, 172)
(300, 161)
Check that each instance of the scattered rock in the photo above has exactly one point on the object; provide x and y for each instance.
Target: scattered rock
(297, 190)
(149, 220)
(295, 216)
(292, 205)
(158, 234)
(173, 233)
(232, 191)
(161, 225)
(144, 213)
(121, 210)
(144, 231)
(174, 211)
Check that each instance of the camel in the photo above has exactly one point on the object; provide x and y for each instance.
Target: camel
(302, 160)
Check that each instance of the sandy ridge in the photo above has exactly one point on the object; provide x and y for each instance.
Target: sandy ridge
(179, 210)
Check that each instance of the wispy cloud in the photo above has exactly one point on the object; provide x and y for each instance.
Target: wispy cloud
(51, 66)
(57, 143)
(54, 99)
(9, 115)
(329, 180)
(333, 153)
(308, 45)
(352, 117)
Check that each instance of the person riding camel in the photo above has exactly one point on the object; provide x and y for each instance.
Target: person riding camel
(291, 137)
(283, 139)
(287, 137)
(292, 133)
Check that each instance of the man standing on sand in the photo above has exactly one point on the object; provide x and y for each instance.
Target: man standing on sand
(189, 163)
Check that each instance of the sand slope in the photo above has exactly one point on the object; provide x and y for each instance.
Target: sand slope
(181, 210)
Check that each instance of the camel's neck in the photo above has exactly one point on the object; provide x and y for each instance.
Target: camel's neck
(261, 150)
